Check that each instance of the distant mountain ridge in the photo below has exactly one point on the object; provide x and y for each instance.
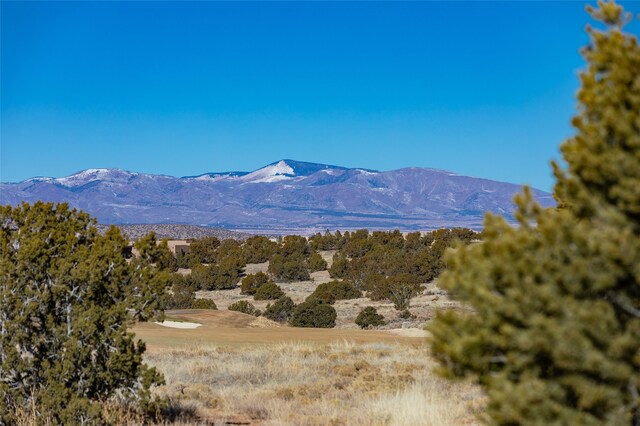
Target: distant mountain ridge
(283, 196)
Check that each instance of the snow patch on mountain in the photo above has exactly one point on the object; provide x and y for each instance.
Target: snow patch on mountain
(90, 175)
(283, 195)
(271, 173)
(367, 172)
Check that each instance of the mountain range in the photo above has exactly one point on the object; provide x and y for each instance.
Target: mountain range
(284, 196)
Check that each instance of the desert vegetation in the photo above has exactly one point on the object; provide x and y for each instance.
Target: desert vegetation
(545, 328)
(67, 297)
(386, 267)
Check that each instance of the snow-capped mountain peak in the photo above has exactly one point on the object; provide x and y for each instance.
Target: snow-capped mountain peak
(284, 195)
(89, 175)
(274, 172)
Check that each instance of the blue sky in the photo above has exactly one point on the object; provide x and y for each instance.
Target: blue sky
(181, 88)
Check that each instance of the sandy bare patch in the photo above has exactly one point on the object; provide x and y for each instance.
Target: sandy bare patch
(179, 324)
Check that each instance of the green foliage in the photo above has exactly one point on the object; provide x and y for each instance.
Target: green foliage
(253, 282)
(152, 252)
(323, 242)
(281, 310)
(245, 307)
(335, 290)
(203, 251)
(390, 253)
(315, 262)
(203, 304)
(313, 313)
(556, 334)
(224, 276)
(231, 250)
(340, 266)
(258, 249)
(294, 245)
(401, 289)
(291, 268)
(183, 290)
(183, 295)
(183, 260)
(67, 295)
(268, 291)
(369, 317)
(398, 289)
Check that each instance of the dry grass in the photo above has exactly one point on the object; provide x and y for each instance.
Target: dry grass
(230, 328)
(310, 384)
(235, 371)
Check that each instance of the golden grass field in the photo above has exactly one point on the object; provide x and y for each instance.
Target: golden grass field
(238, 369)
(231, 328)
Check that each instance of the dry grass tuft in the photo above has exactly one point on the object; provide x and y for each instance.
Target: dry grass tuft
(309, 384)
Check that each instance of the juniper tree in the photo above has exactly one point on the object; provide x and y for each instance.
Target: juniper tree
(555, 338)
(67, 295)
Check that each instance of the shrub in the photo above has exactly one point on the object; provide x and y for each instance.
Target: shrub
(67, 296)
(398, 289)
(369, 317)
(253, 282)
(203, 304)
(406, 314)
(313, 313)
(281, 310)
(258, 249)
(315, 262)
(244, 307)
(335, 290)
(231, 249)
(401, 289)
(376, 286)
(294, 246)
(340, 266)
(268, 291)
(290, 268)
(216, 277)
(203, 250)
(183, 291)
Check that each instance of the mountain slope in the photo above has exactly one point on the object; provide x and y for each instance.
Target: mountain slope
(283, 196)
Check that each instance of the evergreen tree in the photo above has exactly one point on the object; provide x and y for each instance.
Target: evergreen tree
(555, 338)
(203, 250)
(252, 282)
(313, 313)
(154, 252)
(369, 317)
(281, 310)
(268, 291)
(67, 295)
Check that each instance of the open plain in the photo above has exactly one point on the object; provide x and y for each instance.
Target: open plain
(239, 369)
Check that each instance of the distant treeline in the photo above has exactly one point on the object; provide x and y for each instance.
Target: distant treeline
(383, 265)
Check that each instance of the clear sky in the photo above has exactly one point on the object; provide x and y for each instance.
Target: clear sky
(182, 88)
